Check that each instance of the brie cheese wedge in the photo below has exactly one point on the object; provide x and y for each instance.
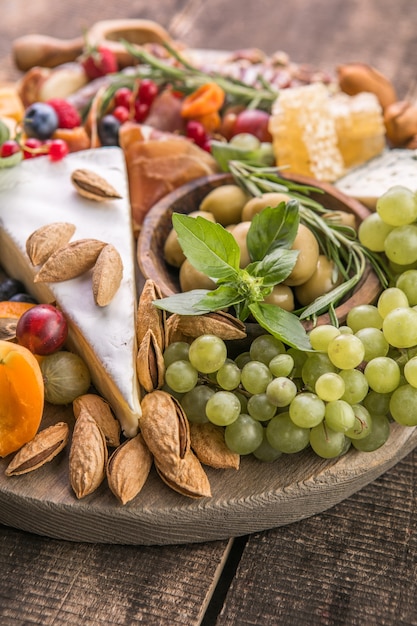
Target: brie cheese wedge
(369, 181)
(39, 192)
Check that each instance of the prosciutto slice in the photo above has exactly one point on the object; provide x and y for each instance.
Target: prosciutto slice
(157, 163)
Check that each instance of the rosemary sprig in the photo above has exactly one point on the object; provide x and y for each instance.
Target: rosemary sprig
(183, 76)
(341, 245)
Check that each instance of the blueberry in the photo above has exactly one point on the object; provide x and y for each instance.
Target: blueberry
(108, 130)
(23, 297)
(40, 121)
(9, 287)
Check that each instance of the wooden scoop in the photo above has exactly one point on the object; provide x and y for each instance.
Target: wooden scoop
(44, 51)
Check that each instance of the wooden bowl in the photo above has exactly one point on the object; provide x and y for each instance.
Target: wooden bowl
(158, 224)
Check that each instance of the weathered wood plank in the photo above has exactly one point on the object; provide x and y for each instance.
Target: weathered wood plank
(354, 564)
(55, 582)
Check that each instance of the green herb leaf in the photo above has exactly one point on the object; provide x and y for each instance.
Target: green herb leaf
(184, 303)
(224, 152)
(273, 227)
(274, 267)
(223, 297)
(209, 247)
(281, 324)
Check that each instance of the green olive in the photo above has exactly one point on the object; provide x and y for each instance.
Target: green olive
(206, 214)
(259, 203)
(323, 280)
(306, 263)
(225, 203)
(191, 278)
(282, 296)
(240, 232)
(173, 253)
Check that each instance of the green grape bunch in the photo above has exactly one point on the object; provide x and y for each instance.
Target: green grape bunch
(343, 388)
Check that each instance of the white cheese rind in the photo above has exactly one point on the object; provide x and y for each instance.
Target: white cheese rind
(39, 192)
(369, 181)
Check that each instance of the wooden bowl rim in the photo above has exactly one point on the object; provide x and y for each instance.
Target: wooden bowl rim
(367, 290)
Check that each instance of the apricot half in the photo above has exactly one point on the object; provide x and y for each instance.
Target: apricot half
(21, 397)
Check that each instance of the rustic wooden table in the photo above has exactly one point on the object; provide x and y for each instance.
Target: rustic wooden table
(355, 563)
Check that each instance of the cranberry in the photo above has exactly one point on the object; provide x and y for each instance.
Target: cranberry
(58, 149)
(8, 148)
(121, 113)
(141, 111)
(147, 92)
(32, 148)
(196, 131)
(123, 97)
(42, 329)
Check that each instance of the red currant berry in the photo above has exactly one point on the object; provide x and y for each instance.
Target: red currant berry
(141, 111)
(196, 131)
(123, 97)
(32, 148)
(58, 149)
(121, 113)
(206, 145)
(8, 148)
(42, 329)
(147, 92)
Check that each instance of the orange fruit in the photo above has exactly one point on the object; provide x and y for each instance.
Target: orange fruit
(21, 397)
(9, 308)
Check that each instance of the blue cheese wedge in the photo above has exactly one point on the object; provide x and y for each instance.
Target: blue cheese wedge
(369, 181)
(39, 192)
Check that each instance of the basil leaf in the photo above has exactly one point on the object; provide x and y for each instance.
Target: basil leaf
(184, 303)
(223, 297)
(281, 324)
(224, 152)
(242, 310)
(274, 267)
(209, 247)
(273, 227)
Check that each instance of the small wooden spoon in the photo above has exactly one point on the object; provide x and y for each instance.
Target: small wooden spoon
(45, 51)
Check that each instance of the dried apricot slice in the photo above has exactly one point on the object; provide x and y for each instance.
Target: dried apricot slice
(11, 308)
(21, 397)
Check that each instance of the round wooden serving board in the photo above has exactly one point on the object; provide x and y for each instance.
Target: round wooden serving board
(256, 497)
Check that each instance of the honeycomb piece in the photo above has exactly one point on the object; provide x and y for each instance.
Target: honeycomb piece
(322, 134)
(304, 133)
(359, 125)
